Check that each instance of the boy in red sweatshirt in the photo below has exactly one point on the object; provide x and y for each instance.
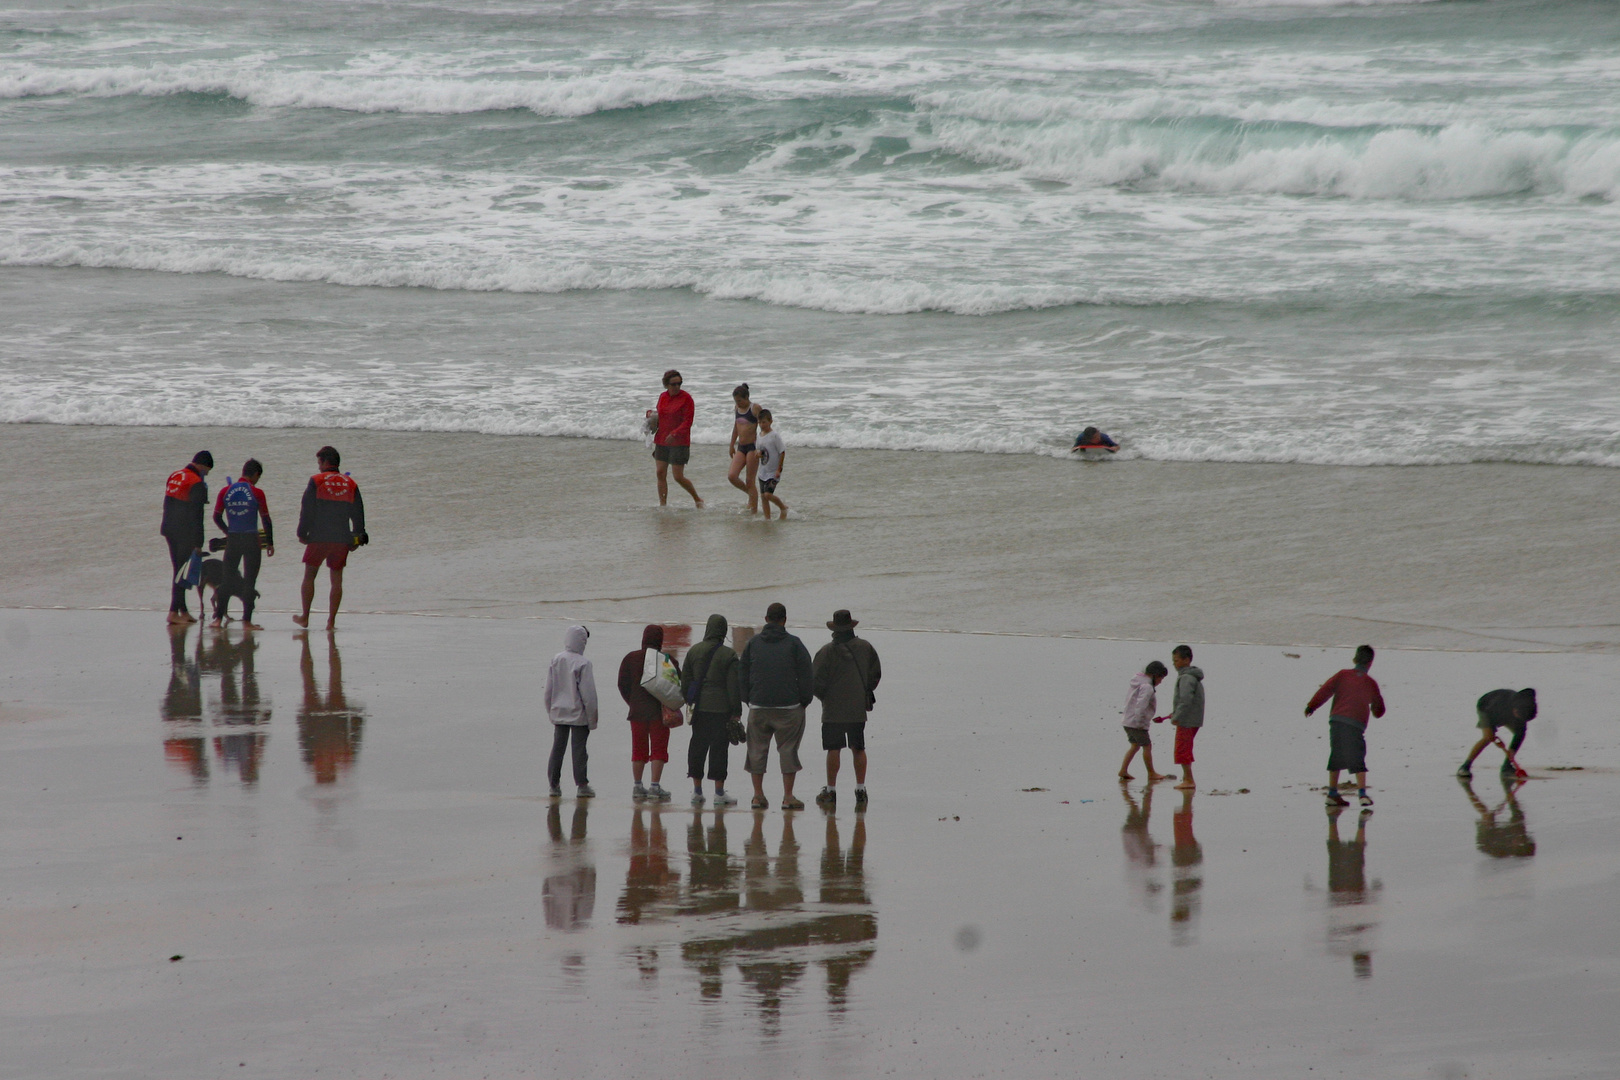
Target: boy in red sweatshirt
(1354, 694)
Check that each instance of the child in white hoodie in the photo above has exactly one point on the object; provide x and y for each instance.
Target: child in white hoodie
(571, 705)
(1140, 705)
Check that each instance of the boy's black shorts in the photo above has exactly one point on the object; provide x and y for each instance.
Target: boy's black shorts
(1139, 736)
(769, 486)
(838, 736)
(1347, 748)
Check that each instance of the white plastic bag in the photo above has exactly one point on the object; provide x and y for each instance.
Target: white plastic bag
(660, 679)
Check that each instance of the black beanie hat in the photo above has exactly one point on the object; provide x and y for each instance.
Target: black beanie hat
(203, 457)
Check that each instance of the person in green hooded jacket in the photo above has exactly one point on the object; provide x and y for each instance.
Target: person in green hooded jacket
(709, 681)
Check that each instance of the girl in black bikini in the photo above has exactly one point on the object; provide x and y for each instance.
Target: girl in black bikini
(744, 455)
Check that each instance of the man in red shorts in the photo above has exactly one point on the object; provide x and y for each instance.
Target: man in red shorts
(331, 523)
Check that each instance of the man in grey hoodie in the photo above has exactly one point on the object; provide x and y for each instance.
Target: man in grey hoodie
(1187, 711)
(709, 681)
(571, 706)
(776, 680)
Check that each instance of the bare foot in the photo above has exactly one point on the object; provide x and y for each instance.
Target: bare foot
(174, 619)
(1154, 778)
(186, 618)
(216, 624)
(251, 626)
(1126, 776)
(331, 625)
(1186, 787)
(301, 620)
(699, 503)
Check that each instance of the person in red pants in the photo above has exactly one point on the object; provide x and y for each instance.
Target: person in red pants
(649, 735)
(1187, 711)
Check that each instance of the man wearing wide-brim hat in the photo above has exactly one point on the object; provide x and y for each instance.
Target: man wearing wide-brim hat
(845, 676)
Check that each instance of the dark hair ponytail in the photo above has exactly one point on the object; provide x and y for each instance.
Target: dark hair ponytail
(741, 390)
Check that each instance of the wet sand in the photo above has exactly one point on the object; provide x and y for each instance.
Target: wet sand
(349, 851)
(1462, 557)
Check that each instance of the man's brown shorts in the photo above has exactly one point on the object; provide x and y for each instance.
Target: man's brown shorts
(335, 556)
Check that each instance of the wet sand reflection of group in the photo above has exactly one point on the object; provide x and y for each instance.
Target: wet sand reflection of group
(236, 719)
(1186, 862)
(750, 913)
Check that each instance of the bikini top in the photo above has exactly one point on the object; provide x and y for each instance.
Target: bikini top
(748, 416)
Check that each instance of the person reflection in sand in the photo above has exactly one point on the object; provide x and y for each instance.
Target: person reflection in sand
(1500, 839)
(329, 726)
(843, 882)
(181, 708)
(712, 889)
(1352, 905)
(650, 886)
(1141, 851)
(569, 895)
(1186, 875)
(242, 712)
(770, 889)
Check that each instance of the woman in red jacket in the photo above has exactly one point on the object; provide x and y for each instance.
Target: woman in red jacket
(672, 445)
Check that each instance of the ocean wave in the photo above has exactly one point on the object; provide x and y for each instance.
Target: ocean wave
(561, 96)
(1457, 161)
(818, 291)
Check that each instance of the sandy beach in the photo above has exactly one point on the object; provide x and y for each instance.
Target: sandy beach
(235, 856)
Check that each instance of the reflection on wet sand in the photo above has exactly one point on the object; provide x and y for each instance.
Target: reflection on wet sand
(329, 725)
(1352, 907)
(1141, 851)
(753, 913)
(569, 895)
(1187, 875)
(650, 886)
(1499, 839)
(238, 716)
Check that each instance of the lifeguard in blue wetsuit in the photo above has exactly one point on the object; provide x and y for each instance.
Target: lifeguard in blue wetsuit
(238, 512)
(1093, 439)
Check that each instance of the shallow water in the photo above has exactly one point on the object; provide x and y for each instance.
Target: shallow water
(348, 849)
(1460, 557)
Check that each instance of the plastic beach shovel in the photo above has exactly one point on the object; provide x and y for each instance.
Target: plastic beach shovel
(1518, 772)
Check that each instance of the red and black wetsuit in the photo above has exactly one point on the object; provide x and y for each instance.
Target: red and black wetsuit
(332, 511)
(185, 502)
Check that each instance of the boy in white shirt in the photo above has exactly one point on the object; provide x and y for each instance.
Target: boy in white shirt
(771, 456)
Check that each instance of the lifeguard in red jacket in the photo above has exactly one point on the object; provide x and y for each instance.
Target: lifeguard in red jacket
(185, 505)
(331, 523)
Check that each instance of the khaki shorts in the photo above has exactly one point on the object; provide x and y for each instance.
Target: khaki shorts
(787, 725)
